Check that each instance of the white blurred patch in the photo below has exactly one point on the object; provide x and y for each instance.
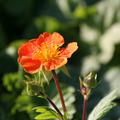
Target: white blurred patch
(11, 51)
(88, 34)
(64, 7)
(90, 63)
(112, 76)
(108, 42)
(108, 9)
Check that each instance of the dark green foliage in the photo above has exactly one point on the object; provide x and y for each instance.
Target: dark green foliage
(94, 24)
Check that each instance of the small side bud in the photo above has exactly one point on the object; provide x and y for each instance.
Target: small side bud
(87, 82)
(90, 80)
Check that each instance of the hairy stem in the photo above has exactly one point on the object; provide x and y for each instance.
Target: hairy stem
(84, 108)
(54, 106)
(59, 90)
(52, 103)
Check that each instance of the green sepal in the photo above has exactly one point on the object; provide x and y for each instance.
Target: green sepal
(28, 79)
(47, 75)
(65, 71)
(33, 87)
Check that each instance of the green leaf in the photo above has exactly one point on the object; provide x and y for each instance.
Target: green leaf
(65, 71)
(23, 103)
(42, 24)
(46, 113)
(81, 12)
(12, 82)
(104, 106)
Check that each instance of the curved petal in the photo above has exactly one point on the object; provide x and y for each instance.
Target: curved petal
(55, 64)
(55, 39)
(69, 50)
(26, 49)
(42, 38)
(29, 65)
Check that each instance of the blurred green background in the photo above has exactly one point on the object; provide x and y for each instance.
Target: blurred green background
(93, 24)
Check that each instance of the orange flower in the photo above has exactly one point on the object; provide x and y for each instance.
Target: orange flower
(45, 51)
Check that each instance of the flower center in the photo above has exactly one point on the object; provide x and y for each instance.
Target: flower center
(46, 52)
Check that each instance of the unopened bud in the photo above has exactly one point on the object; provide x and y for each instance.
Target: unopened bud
(89, 80)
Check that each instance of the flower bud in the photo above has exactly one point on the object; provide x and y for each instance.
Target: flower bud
(89, 80)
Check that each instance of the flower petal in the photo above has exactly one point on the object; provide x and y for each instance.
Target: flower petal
(69, 50)
(42, 38)
(26, 49)
(29, 65)
(55, 64)
(56, 39)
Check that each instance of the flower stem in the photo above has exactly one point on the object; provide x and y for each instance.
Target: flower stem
(54, 106)
(59, 90)
(84, 108)
(52, 103)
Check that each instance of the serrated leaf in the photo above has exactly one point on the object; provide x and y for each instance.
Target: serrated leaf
(103, 107)
(46, 113)
(65, 71)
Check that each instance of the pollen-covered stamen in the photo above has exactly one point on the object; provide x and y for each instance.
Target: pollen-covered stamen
(41, 53)
(46, 52)
(53, 52)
